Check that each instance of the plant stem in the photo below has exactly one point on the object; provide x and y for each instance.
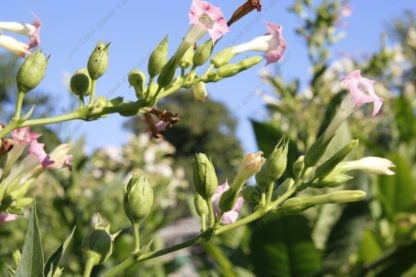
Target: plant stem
(269, 193)
(93, 84)
(203, 223)
(136, 232)
(88, 267)
(210, 211)
(19, 103)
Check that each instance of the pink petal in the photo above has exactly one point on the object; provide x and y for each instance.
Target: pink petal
(229, 217)
(232, 215)
(5, 217)
(37, 150)
(24, 136)
(277, 44)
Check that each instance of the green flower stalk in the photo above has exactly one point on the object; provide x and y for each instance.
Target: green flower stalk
(205, 179)
(98, 61)
(158, 58)
(32, 71)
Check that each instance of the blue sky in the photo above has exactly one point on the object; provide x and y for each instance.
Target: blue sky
(72, 28)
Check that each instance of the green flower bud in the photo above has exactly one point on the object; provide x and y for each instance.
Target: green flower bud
(167, 74)
(333, 179)
(283, 187)
(203, 52)
(138, 199)
(228, 70)
(31, 72)
(297, 204)
(343, 196)
(274, 166)
(200, 91)
(81, 82)
(223, 57)
(205, 179)
(250, 165)
(249, 62)
(158, 58)
(316, 151)
(137, 79)
(98, 61)
(228, 199)
(298, 165)
(326, 167)
(213, 77)
(186, 60)
(200, 205)
(99, 244)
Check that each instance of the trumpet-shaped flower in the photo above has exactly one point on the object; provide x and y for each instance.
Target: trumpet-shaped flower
(376, 165)
(229, 216)
(13, 45)
(24, 136)
(361, 91)
(250, 165)
(204, 18)
(37, 150)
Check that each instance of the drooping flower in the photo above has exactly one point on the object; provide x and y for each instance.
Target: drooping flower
(272, 43)
(32, 31)
(37, 150)
(24, 136)
(231, 215)
(204, 18)
(5, 217)
(13, 45)
(376, 165)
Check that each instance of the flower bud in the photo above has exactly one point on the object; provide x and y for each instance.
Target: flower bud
(98, 61)
(167, 73)
(283, 187)
(250, 194)
(343, 196)
(228, 70)
(200, 205)
(200, 91)
(137, 80)
(297, 204)
(81, 82)
(158, 58)
(228, 199)
(249, 62)
(213, 77)
(334, 179)
(99, 244)
(298, 165)
(274, 166)
(250, 165)
(138, 199)
(223, 57)
(205, 179)
(316, 151)
(202, 53)
(186, 60)
(326, 167)
(31, 72)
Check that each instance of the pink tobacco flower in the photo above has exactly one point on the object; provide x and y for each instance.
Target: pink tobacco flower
(232, 215)
(204, 18)
(5, 217)
(24, 136)
(362, 91)
(272, 43)
(37, 150)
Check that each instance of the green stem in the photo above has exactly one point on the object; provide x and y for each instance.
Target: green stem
(269, 193)
(19, 103)
(88, 267)
(210, 211)
(93, 84)
(203, 223)
(174, 87)
(136, 233)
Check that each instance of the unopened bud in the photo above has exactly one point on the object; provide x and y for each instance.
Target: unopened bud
(249, 62)
(228, 70)
(326, 167)
(228, 199)
(298, 165)
(333, 179)
(187, 58)
(158, 58)
(205, 179)
(344, 196)
(99, 244)
(138, 199)
(274, 167)
(250, 194)
(200, 91)
(203, 52)
(98, 61)
(32, 71)
(137, 80)
(283, 187)
(250, 165)
(200, 205)
(223, 57)
(316, 151)
(167, 73)
(81, 82)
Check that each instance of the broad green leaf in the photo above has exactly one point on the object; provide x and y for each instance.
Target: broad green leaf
(343, 241)
(31, 262)
(398, 192)
(370, 248)
(53, 262)
(405, 118)
(282, 246)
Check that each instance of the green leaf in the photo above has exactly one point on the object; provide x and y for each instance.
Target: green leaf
(398, 192)
(343, 241)
(282, 246)
(405, 118)
(31, 262)
(53, 261)
(370, 248)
